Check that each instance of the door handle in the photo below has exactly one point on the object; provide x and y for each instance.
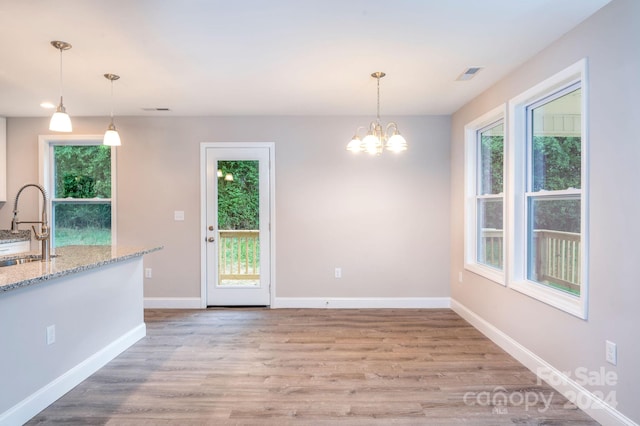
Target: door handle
(211, 239)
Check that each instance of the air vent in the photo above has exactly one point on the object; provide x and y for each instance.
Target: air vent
(469, 73)
(156, 109)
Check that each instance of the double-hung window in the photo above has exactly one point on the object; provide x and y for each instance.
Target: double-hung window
(484, 188)
(79, 176)
(548, 204)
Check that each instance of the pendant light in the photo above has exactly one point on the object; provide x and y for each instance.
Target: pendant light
(111, 136)
(60, 121)
(376, 138)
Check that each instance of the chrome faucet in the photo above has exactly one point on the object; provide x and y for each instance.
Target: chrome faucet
(45, 233)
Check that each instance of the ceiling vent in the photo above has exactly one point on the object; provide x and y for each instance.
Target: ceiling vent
(469, 73)
(156, 109)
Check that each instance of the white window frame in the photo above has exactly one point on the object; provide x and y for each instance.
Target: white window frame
(517, 176)
(45, 160)
(472, 161)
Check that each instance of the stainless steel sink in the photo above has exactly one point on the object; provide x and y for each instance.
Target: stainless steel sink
(19, 261)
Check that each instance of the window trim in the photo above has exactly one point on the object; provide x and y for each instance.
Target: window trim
(472, 160)
(517, 176)
(45, 167)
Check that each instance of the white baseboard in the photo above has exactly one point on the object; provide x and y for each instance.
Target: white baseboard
(45, 396)
(595, 407)
(361, 302)
(172, 303)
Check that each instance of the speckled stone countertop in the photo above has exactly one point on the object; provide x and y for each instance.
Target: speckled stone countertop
(68, 260)
(6, 236)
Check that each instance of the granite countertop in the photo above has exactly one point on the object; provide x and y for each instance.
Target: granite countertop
(68, 260)
(6, 236)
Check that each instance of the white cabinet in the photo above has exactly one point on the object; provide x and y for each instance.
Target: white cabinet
(3, 159)
(14, 248)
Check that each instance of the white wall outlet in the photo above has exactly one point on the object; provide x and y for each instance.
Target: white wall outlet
(51, 334)
(611, 352)
(338, 273)
(178, 215)
(147, 273)
(460, 277)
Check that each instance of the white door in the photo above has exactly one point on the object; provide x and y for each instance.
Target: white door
(237, 226)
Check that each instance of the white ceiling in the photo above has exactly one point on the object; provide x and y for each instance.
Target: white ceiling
(276, 57)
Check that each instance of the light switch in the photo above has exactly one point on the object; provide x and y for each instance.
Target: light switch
(178, 215)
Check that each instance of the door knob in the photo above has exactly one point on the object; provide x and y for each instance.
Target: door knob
(211, 239)
(210, 227)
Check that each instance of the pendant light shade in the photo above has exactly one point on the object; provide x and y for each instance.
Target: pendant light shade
(111, 136)
(60, 121)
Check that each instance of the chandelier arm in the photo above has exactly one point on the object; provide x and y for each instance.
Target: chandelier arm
(393, 125)
(360, 128)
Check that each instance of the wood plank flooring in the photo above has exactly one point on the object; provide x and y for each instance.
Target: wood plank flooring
(312, 366)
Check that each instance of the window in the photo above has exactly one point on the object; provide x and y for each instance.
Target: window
(79, 177)
(548, 205)
(484, 207)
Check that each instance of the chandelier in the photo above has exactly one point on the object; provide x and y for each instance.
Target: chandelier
(376, 138)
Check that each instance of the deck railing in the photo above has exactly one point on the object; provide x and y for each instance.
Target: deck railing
(557, 255)
(492, 244)
(239, 255)
(558, 258)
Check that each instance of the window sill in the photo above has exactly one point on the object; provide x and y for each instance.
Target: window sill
(574, 305)
(493, 274)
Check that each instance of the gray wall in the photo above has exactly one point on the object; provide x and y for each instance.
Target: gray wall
(384, 220)
(610, 41)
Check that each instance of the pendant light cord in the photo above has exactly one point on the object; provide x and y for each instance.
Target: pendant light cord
(61, 75)
(378, 116)
(111, 101)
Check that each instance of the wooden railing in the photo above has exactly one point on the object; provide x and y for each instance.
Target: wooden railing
(492, 242)
(557, 256)
(239, 255)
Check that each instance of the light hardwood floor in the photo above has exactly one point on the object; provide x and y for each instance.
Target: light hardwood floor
(314, 366)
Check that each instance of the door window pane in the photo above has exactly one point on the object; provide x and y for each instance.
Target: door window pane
(238, 223)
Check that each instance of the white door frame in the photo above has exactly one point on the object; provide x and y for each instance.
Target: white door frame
(203, 212)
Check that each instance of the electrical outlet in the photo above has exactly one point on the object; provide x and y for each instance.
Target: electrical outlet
(460, 277)
(178, 215)
(51, 334)
(147, 273)
(611, 352)
(338, 273)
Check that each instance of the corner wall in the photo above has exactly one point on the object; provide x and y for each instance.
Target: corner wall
(609, 39)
